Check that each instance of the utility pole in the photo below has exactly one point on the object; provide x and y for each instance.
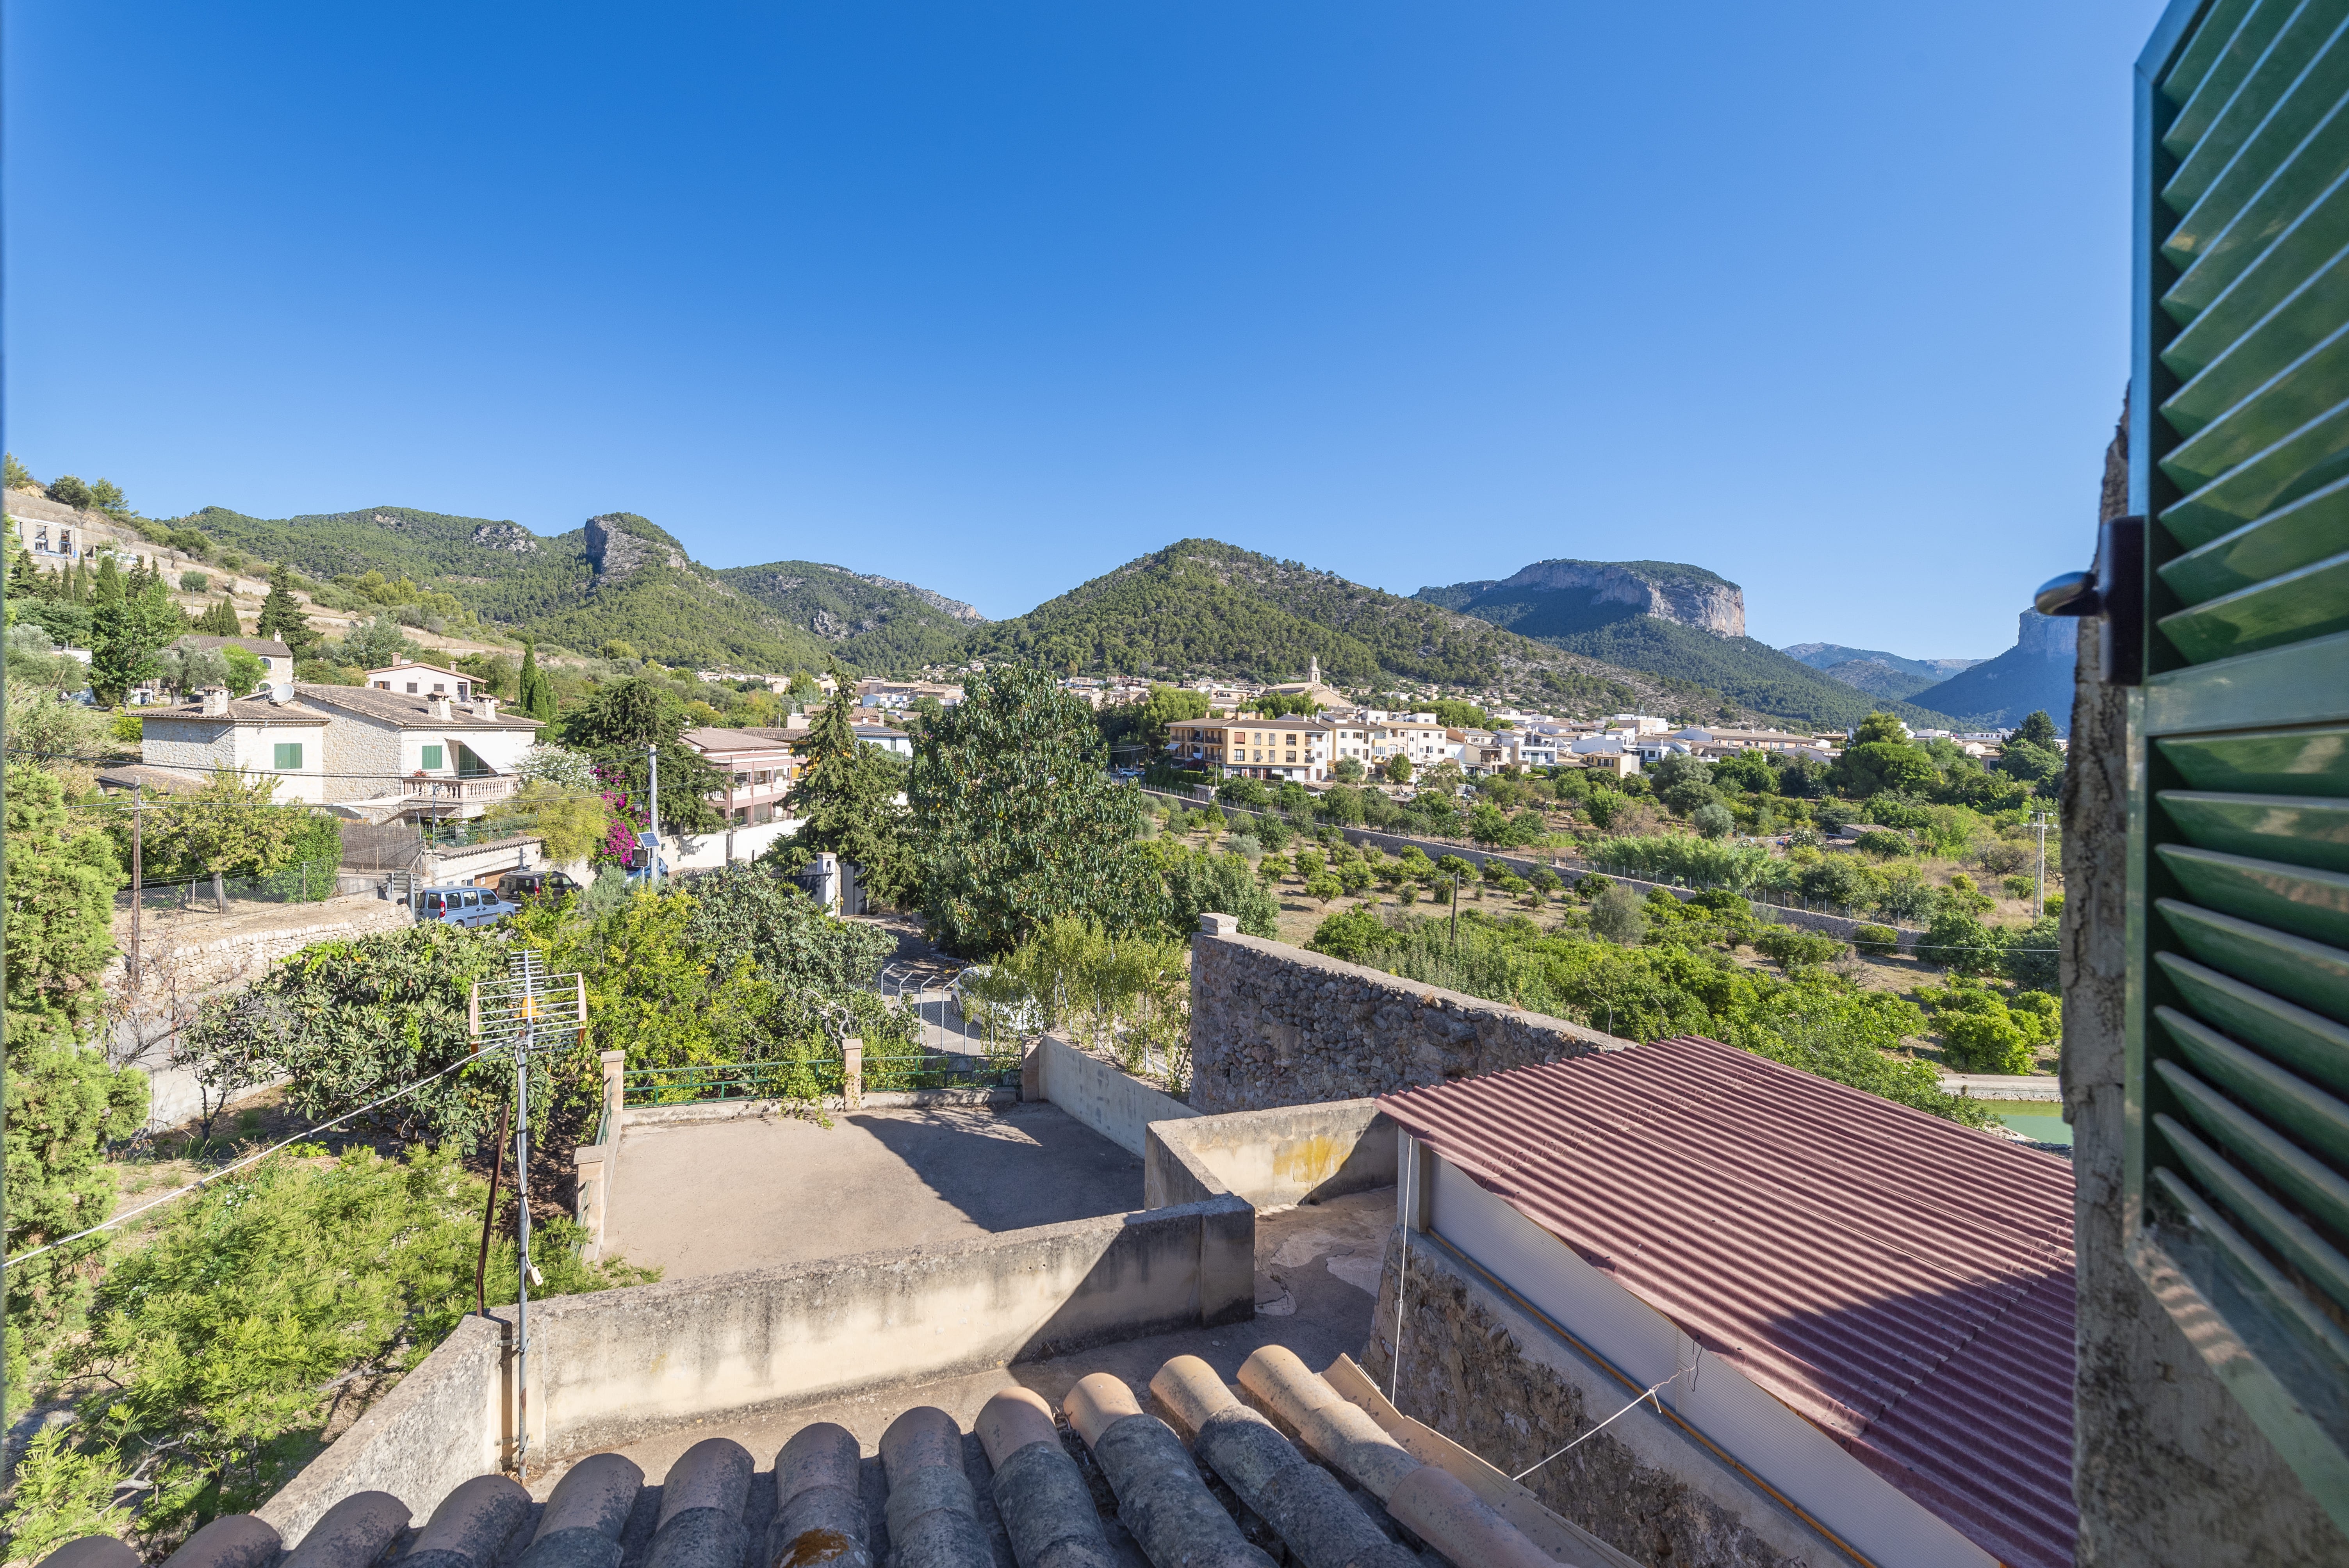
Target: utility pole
(137, 875)
(1456, 920)
(652, 761)
(2039, 898)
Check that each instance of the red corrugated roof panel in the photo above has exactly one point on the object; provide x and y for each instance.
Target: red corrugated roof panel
(1904, 1282)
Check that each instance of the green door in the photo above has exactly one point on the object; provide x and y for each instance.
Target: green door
(2237, 1018)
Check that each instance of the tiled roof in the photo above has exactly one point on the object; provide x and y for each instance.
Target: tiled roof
(1904, 1282)
(241, 710)
(411, 712)
(708, 739)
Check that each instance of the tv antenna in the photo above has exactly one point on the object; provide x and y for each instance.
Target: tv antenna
(528, 1010)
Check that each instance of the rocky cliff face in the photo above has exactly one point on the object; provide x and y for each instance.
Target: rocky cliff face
(2046, 636)
(1704, 602)
(616, 553)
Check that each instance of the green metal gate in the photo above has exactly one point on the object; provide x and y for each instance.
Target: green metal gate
(2234, 619)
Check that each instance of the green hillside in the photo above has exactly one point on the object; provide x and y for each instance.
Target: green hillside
(1746, 672)
(876, 622)
(620, 577)
(1203, 607)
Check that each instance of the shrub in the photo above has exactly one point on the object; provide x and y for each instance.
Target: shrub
(1618, 916)
(1981, 1041)
(1876, 939)
(1246, 845)
(1714, 820)
(195, 583)
(1961, 944)
(1882, 845)
(2030, 959)
(2018, 886)
(1323, 888)
(1355, 935)
(1790, 949)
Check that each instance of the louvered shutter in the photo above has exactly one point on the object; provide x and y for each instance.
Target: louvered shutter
(2239, 874)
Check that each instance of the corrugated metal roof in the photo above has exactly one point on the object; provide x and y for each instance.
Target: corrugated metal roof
(1904, 1282)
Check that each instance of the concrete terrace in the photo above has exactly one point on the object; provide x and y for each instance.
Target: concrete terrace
(701, 1198)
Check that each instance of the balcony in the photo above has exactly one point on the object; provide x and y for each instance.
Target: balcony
(460, 791)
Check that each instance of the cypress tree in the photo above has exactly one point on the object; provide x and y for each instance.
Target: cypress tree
(537, 694)
(281, 614)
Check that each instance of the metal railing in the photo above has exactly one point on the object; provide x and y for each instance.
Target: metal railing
(811, 1077)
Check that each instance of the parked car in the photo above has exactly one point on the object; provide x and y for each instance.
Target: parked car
(519, 887)
(463, 904)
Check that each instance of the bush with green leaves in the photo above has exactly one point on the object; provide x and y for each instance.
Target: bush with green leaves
(1877, 940)
(2031, 955)
(1790, 949)
(1959, 942)
(1684, 857)
(1123, 994)
(221, 1350)
(1198, 881)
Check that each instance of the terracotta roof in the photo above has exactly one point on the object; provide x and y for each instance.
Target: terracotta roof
(412, 712)
(1904, 1282)
(241, 710)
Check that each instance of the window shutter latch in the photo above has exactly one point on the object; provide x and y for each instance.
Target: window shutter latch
(2114, 593)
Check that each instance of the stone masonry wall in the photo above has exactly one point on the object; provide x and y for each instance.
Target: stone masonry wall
(1499, 1385)
(1273, 1025)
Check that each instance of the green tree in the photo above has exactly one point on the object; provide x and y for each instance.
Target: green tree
(19, 477)
(1398, 769)
(282, 616)
(68, 490)
(1959, 942)
(135, 619)
(232, 824)
(616, 726)
(245, 669)
(847, 799)
(1018, 824)
(2037, 729)
(537, 698)
(107, 497)
(64, 1103)
(220, 620)
(1197, 883)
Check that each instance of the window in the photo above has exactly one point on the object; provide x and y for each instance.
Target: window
(289, 755)
(434, 756)
(411, 689)
(465, 690)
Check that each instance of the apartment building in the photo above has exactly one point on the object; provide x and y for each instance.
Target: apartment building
(759, 770)
(410, 679)
(1418, 738)
(1281, 748)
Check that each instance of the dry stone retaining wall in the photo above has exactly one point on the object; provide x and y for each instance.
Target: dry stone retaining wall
(1273, 1025)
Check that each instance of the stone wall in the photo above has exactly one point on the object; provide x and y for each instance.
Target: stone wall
(2166, 1466)
(1501, 1384)
(1273, 1025)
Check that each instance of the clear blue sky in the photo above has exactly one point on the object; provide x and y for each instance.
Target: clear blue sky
(1828, 298)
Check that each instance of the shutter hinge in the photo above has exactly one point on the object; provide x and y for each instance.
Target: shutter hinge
(2114, 592)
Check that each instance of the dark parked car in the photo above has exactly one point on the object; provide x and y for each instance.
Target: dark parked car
(516, 887)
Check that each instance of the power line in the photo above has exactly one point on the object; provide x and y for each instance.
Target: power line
(201, 1182)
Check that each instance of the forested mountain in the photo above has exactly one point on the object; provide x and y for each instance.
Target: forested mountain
(2033, 674)
(1611, 619)
(876, 622)
(618, 577)
(1204, 607)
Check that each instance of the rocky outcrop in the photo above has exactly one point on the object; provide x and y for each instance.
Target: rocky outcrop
(511, 537)
(2046, 636)
(1691, 597)
(616, 553)
(930, 596)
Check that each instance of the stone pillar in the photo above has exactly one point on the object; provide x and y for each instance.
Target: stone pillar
(852, 1074)
(1219, 925)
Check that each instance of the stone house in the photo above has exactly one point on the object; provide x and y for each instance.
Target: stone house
(391, 754)
(275, 737)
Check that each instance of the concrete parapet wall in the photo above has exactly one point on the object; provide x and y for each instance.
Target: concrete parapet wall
(1115, 1104)
(612, 1366)
(870, 1099)
(1294, 1154)
(445, 1423)
(1273, 1025)
(609, 1367)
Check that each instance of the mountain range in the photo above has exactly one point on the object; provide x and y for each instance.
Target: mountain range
(1581, 637)
(1667, 618)
(619, 577)
(2033, 674)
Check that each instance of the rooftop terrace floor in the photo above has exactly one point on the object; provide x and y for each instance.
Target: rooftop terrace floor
(703, 1198)
(1316, 1273)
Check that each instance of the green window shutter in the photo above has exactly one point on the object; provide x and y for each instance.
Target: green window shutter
(2238, 1163)
(289, 755)
(433, 756)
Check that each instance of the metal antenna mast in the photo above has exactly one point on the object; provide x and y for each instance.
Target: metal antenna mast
(529, 1009)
